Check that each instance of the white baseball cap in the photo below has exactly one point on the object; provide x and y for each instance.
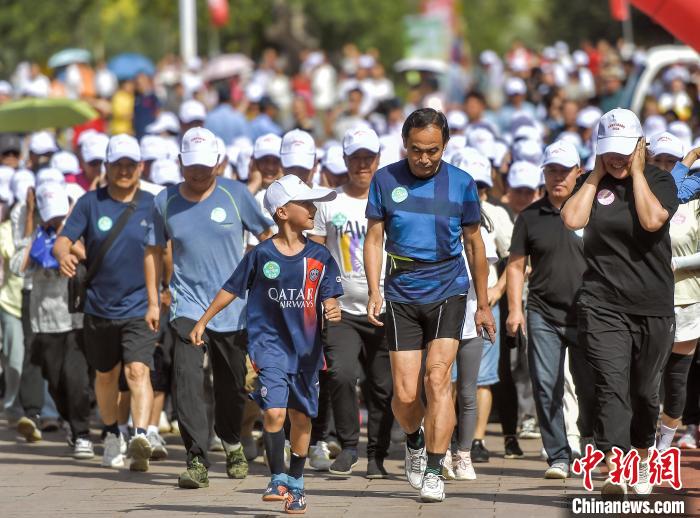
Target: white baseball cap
(476, 164)
(165, 171)
(561, 152)
(166, 121)
(483, 140)
(22, 180)
(681, 130)
(528, 150)
(267, 145)
(666, 144)
(49, 174)
(298, 149)
(571, 136)
(588, 117)
(95, 147)
(618, 132)
(360, 137)
(42, 142)
(66, 162)
(515, 86)
(199, 147)
(52, 200)
(192, 110)
(457, 120)
(500, 149)
(6, 174)
(334, 160)
(524, 174)
(291, 188)
(653, 125)
(527, 132)
(85, 135)
(153, 147)
(243, 162)
(454, 146)
(123, 146)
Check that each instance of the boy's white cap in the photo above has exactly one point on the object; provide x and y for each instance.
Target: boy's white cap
(192, 110)
(123, 146)
(6, 174)
(66, 162)
(85, 135)
(22, 180)
(618, 132)
(42, 142)
(199, 147)
(298, 149)
(681, 130)
(528, 150)
(527, 132)
(243, 162)
(515, 86)
(588, 117)
(482, 140)
(165, 171)
(653, 125)
(334, 160)
(524, 174)
(52, 200)
(666, 144)
(49, 174)
(360, 137)
(476, 164)
(561, 152)
(153, 147)
(267, 145)
(291, 188)
(571, 136)
(95, 147)
(166, 121)
(457, 120)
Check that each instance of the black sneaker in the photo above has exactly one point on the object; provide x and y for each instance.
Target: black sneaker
(512, 448)
(479, 452)
(375, 469)
(343, 463)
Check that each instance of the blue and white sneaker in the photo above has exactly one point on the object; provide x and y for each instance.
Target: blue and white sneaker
(275, 492)
(295, 502)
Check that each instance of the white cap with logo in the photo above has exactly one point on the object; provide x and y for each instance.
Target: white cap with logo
(20, 182)
(192, 110)
(334, 160)
(524, 174)
(298, 150)
(165, 171)
(166, 121)
(41, 143)
(52, 201)
(515, 86)
(457, 120)
(123, 146)
(153, 147)
(95, 147)
(291, 188)
(561, 152)
(267, 145)
(360, 137)
(66, 162)
(618, 132)
(666, 144)
(476, 164)
(199, 147)
(49, 174)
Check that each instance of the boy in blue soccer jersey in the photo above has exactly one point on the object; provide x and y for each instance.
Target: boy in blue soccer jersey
(285, 279)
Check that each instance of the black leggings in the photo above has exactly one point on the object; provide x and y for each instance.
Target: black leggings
(675, 382)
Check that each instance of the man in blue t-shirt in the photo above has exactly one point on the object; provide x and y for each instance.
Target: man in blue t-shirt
(204, 218)
(426, 207)
(114, 330)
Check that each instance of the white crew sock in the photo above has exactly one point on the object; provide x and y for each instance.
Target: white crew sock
(152, 429)
(665, 439)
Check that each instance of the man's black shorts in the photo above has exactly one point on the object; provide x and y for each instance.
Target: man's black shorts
(108, 342)
(410, 327)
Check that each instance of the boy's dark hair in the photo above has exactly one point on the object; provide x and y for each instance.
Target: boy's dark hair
(475, 94)
(425, 117)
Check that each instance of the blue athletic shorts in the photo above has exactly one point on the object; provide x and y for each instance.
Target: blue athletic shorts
(279, 389)
(488, 369)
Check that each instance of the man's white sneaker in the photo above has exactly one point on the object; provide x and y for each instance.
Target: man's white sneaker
(415, 463)
(140, 452)
(320, 456)
(433, 489)
(82, 449)
(464, 469)
(610, 488)
(529, 429)
(159, 451)
(447, 470)
(558, 470)
(112, 456)
(163, 423)
(643, 485)
(215, 444)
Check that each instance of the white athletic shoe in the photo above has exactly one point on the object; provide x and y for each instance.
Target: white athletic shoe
(112, 456)
(448, 472)
(159, 451)
(464, 469)
(610, 488)
(415, 463)
(433, 489)
(140, 452)
(529, 429)
(215, 444)
(163, 423)
(83, 449)
(643, 485)
(320, 456)
(558, 470)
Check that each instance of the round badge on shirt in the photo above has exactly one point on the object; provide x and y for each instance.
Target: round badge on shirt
(399, 194)
(605, 197)
(104, 223)
(314, 275)
(271, 270)
(218, 215)
(339, 219)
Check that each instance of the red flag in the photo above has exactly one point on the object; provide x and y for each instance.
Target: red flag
(620, 10)
(218, 12)
(679, 17)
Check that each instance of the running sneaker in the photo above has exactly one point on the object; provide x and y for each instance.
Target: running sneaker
(343, 463)
(375, 469)
(448, 472)
(643, 485)
(50, 425)
(479, 453)
(112, 456)
(157, 445)
(163, 423)
(512, 448)
(83, 448)
(215, 444)
(28, 427)
(295, 501)
(688, 441)
(334, 447)
(464, 469)
(610, 488)
(139, 452)
(529, 429)
(320, 456)
(275, 492)
(236, 464)
(558, 470)
(195, 476)
(175, 427)
(433, 489)
(414, 466)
